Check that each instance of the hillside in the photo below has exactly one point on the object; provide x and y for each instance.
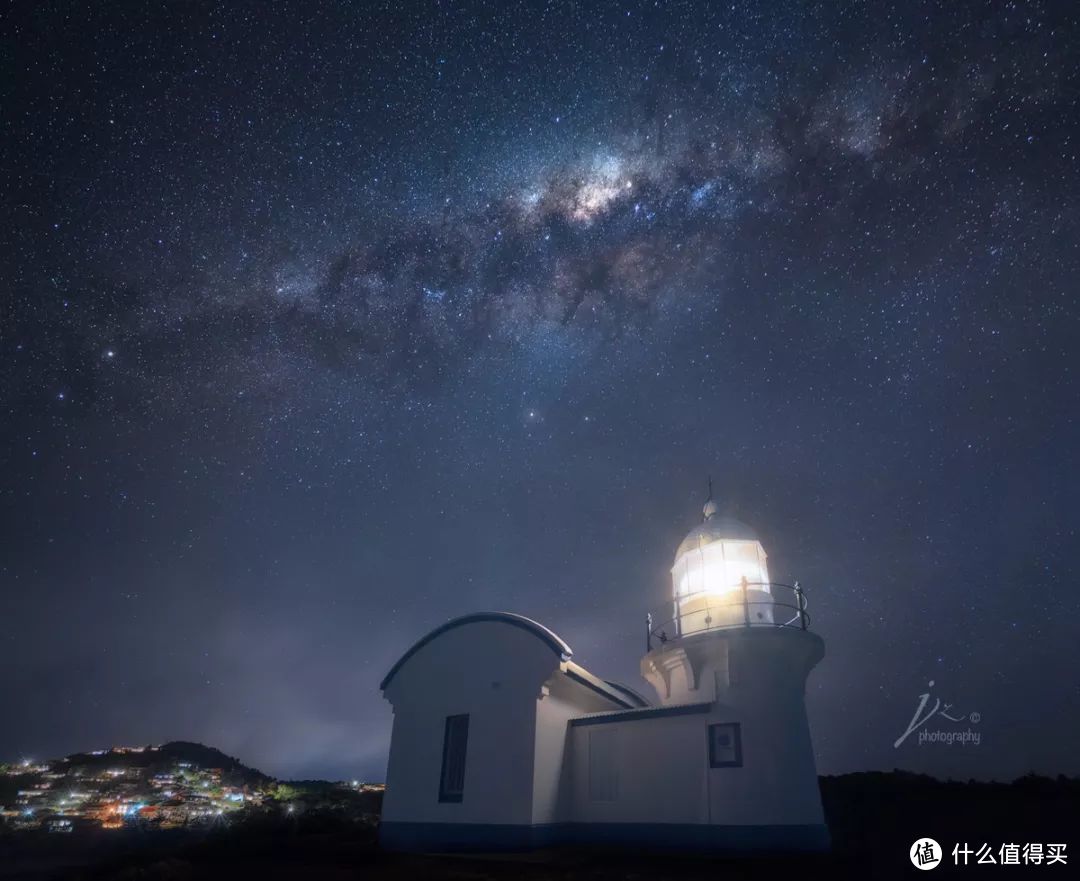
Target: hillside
(151, 760)
(174, 786)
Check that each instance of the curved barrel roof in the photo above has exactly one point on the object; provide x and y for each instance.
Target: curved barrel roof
(548, 637)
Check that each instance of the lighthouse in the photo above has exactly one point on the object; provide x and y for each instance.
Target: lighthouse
(742, 644)
(502, 740)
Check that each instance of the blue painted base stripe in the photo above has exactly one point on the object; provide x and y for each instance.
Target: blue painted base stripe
(401, 836)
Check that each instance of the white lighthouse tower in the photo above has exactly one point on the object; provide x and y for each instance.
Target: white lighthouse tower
(742, 644)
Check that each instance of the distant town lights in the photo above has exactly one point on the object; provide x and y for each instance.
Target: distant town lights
(178, 795)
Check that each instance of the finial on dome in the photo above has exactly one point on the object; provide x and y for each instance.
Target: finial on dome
(710, 508)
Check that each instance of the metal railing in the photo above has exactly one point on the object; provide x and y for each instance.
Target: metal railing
(734, 609)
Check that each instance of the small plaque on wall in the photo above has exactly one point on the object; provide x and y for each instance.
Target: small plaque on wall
(725, 745)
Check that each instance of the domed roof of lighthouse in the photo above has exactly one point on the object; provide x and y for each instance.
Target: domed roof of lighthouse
(718, 566)
(715, 527)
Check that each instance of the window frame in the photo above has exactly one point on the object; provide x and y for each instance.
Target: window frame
(446, 794)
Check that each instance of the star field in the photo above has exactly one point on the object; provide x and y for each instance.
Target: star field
(322, 323)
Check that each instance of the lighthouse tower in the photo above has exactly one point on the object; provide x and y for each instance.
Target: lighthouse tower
(741, 643)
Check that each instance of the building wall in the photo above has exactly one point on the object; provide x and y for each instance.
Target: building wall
(553, 768)
(658, 766)
(493, 672)
(752, 676)
(662, 774)
(777, 783)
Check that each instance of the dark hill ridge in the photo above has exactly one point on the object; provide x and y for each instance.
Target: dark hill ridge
(153, 760)
(873, 816)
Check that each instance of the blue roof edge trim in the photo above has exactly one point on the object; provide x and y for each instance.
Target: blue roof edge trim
(633, 696)
(594, 683)
(548, 637)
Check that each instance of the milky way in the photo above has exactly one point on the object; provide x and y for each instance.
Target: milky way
(322, 325)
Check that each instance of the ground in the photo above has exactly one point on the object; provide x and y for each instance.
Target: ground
(874, 819)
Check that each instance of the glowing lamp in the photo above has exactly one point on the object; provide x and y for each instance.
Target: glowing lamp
(720, 577)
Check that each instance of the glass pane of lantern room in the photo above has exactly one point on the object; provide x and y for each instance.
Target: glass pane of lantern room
(689, 574)
(729, 562)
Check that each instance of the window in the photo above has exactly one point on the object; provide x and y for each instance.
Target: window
(725, 745)
(603, 764)
(455, 741)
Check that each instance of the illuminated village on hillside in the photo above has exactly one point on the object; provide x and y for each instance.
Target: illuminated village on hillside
(139, 787)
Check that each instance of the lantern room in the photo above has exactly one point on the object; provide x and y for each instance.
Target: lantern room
(720, 577)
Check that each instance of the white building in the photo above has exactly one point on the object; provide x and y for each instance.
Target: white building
(501, 741)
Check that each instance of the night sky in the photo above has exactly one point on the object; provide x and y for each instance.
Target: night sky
(322, 323)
